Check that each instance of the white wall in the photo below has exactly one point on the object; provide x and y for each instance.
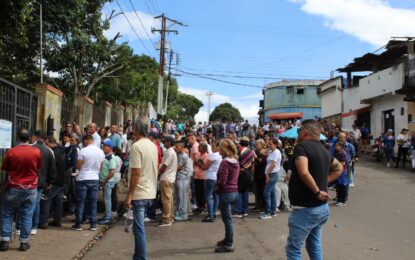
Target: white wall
(385, 103)
(351, 100)
(382, 82)
(331, 98)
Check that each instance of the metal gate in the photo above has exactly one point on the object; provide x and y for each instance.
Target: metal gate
(17, 105)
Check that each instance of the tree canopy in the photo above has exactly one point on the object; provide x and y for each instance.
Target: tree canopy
(226, 112)
(77, 56)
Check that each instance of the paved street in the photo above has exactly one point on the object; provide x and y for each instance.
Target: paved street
(377, 223)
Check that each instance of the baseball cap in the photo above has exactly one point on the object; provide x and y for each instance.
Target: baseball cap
(108, 143)
(245, 138)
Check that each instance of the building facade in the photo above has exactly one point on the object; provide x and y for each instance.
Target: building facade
(288, 100)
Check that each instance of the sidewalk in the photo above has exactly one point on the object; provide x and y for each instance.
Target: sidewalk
(55, 243)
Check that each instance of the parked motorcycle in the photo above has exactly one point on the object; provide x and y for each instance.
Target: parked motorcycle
(377, 149)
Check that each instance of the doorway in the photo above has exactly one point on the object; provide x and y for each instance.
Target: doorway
(389, 120)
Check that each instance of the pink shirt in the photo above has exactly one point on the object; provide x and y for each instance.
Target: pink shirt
(199, 173)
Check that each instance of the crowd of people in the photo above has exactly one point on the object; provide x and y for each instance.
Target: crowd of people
(176, 170)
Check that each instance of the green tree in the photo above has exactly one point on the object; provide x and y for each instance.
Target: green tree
(184, 107)
(226, 112)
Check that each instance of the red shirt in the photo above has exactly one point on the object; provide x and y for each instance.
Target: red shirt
(160, 153)
(22, 163)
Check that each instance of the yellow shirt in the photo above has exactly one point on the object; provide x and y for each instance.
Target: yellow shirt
(144, 156)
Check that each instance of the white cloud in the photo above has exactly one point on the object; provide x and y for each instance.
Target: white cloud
(120, 25)
(371, 21)
(247, 105)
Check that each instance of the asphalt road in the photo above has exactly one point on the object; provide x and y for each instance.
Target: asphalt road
(377, 223)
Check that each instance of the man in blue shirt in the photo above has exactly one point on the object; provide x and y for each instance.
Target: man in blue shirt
(115, 137)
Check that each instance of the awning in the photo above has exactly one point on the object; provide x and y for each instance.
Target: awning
(280, 116)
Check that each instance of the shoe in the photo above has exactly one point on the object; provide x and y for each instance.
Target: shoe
(245, 215)
(43, 226)
(287, 208)
(33, 231)
(274, 214)
(194, 206)
(24, 246)
(351, 185)
(93, 228)
(54, 224)
(340, 204)
(4, 245)
(77, 227)
(224, 249)
(158, 212)
(147, 219)
(237, 216)
(164, 224)
(265, 216)
(181, 218)
(18, 232)
(105, 222)
(388, 165)
(208, 219)
(221, 243)
(277, 210)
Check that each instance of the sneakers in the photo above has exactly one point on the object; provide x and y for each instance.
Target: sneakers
(274, 214)
(238, 216)
(265, 216)
(93, 228)
(32, 232)
(18, 232)
(4, 245)
(351, 185)
(245, 215)
(194, 206)
(147, 219)
(105, 222)
(388, 165)
(24, 246)
(224, 249)
(340, 204)
(77, 227)
(164, 224)
(208, 220)
(287, 208)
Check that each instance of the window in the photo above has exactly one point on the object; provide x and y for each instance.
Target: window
(289, 90)
(402, 111)
(300, 91)
(409, 118)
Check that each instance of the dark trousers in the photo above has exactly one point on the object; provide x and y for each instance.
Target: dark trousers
(342, 192)
(53, 196)
(200, 193)
(114, 198)
(402, 153)
(259, 193)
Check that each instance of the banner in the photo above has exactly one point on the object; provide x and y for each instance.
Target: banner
(6, 130)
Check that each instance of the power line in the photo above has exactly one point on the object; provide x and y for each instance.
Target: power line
(219, 80)
(142, 25)
(132, 27)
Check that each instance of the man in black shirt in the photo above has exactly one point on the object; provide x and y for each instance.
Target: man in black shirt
(313, 168)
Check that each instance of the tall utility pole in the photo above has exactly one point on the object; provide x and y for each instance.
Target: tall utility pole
(209, 94)
(163, 32)
(41, 44)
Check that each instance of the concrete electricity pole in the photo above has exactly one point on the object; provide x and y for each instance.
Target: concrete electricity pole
(163, 31)
(209, 94)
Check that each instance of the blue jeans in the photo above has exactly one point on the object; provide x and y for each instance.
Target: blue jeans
(21, 202)
(212, 199)
(87, 190)
(108, 200)
(305, 226)
(242, 203)
(54, 195)
(226, 201)
(139, 207)
(270, 194)
(36, 212)
(193, 190)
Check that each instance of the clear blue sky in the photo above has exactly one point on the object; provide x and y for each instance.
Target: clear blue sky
(284, 39)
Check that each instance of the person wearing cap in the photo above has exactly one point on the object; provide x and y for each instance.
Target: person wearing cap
(107, 179)
(389, 144)
(404, 143)
(167, 176)
(89, 163)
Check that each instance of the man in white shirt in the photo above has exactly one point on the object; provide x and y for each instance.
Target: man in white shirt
(89, 163)
(92, 130)
(167, 175)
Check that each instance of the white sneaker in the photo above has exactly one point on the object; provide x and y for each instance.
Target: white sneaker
(388, 165)
(237, 216)
(245, 215)
(18, 232)
(265, 216)
(351, 185)
(194, 206)
(33, 232)
(340, 204)
(147, 219)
